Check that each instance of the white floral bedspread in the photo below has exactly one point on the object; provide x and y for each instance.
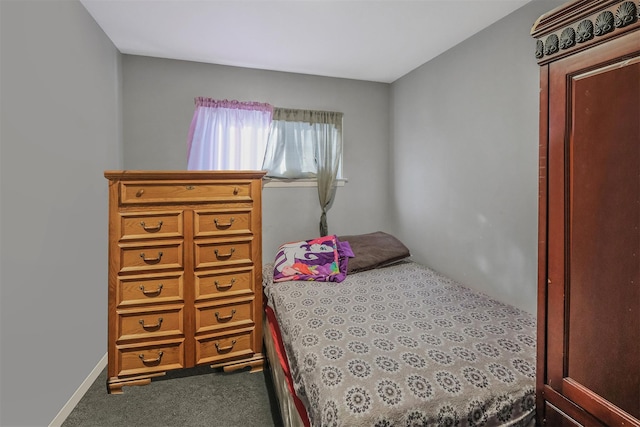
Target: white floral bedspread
(405, 346)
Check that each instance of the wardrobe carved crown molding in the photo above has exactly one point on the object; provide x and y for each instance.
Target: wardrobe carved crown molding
(581, 24)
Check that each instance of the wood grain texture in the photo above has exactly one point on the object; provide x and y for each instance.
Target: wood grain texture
(588, 370)
(185, 272)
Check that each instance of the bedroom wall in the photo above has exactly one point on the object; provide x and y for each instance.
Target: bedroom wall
(158, 106)
(465, 159)
(60, 129)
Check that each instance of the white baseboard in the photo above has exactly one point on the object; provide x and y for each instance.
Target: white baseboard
(84, 387)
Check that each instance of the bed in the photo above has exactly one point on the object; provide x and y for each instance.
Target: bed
(396, 344)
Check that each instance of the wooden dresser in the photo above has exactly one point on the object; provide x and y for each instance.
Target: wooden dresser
(588, 370)
(184, 272)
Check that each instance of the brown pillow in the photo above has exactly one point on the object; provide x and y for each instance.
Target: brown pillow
(374, 250)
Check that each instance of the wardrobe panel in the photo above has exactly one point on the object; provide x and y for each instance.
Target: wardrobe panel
(604, 236)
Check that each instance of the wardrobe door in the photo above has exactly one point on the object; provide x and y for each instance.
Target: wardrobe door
(593, 343)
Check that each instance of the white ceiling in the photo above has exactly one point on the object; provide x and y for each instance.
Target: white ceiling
(375, 40)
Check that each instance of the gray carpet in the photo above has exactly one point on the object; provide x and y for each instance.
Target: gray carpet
(199, 396)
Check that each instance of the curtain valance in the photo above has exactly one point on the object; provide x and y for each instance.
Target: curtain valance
(309, 116)
(233, 104)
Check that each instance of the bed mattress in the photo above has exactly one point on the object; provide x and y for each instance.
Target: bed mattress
(404, 345)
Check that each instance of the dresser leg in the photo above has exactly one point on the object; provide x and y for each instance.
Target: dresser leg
(256, 364)
(114, 385)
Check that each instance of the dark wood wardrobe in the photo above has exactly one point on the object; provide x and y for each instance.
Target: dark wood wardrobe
(588, 369)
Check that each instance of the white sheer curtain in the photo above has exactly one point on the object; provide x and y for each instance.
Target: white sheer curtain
(306, 144)
(228, 135)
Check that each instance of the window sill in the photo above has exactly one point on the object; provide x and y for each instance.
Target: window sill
(280, 183)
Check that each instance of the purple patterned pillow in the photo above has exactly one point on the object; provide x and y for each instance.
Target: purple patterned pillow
(323, 259)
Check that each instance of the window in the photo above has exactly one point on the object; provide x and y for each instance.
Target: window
(290, 144)
(304, 143)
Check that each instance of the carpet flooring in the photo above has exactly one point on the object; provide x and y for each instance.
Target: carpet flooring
(199, 396)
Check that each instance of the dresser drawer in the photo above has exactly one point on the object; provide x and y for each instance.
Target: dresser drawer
(132, 192)
(150, 289)
(151, 257)
(224, 347)
(207, 223)
(216, 317)
(222, 253)
(154, 358)
(151, 225)
(150, 324)
(225, 284)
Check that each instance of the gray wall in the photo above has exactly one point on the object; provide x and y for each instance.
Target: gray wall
(465, 159)
(157, 110)
(60, 129)
(459, 180)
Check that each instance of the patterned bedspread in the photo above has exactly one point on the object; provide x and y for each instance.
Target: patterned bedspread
(405, 346)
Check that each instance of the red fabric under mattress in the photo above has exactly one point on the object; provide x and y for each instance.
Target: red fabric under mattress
(284, 363)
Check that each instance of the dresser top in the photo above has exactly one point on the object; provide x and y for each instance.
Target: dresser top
(134, 175)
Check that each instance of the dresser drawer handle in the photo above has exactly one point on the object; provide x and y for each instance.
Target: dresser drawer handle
(219, 256)
(225, 318)
(151, 260)
(236, 190)
(151, 361)
(152, 293)
(224, 287)
(190, 187)
(140, 193)
(225, 349)
(151, 327)
(227, 225)
(151, 229)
